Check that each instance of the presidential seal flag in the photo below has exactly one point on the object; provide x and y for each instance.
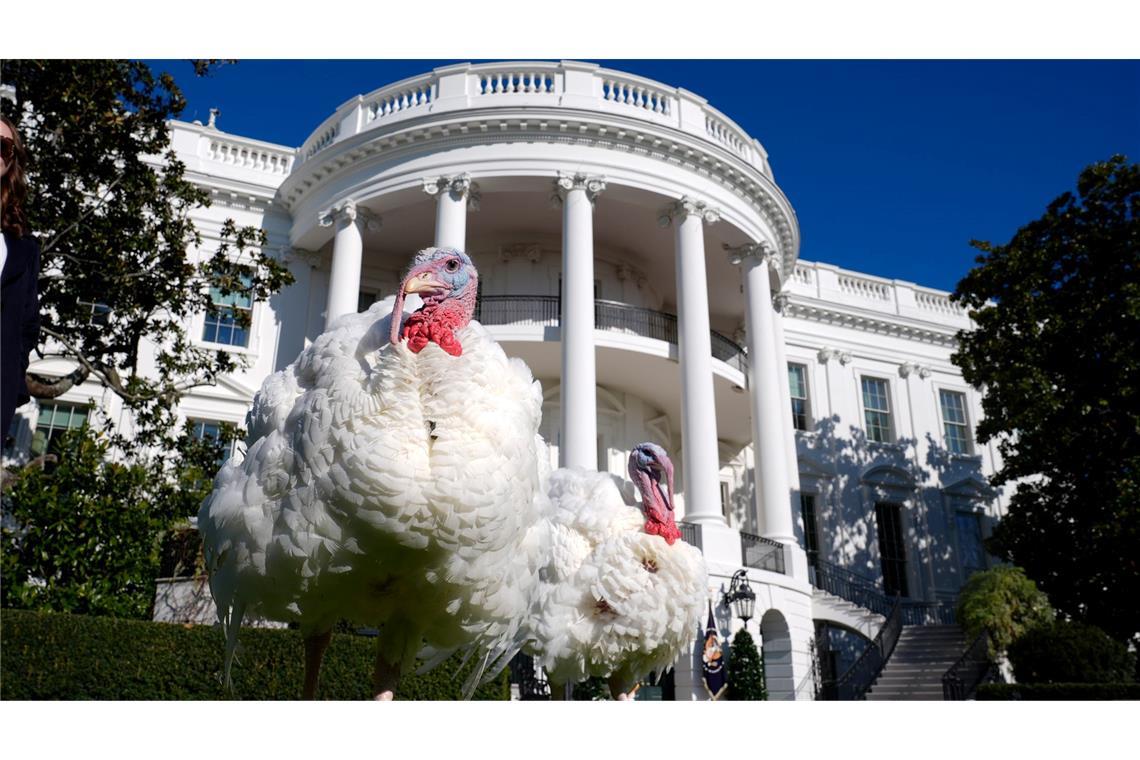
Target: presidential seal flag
(712, 661)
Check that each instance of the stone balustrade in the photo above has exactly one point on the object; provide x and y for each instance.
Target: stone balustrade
(565, 84)
(866, 292)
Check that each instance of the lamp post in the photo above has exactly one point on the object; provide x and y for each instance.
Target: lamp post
(740, 597)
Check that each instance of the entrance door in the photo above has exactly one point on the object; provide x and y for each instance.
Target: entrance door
(892, 550)
(811, 532)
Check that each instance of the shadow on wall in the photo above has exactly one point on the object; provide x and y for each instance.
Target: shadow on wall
(943, 508)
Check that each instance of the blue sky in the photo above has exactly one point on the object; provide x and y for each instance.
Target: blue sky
(892, 166)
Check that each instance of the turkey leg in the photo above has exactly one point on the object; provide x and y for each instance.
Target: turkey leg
(385, 679)
(315, 647)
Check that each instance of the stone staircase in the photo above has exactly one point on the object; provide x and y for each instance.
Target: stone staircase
(914, 671)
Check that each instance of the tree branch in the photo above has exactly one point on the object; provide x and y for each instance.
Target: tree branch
(82, 217)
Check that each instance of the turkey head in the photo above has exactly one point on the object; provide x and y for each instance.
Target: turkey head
(447, 282)
(652, 473)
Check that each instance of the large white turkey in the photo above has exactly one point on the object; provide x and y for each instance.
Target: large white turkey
(621, 595)
(394, 477)
(391, 483)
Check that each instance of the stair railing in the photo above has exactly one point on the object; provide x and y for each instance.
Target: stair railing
(866, 593)
(858, 678)
(972, 668)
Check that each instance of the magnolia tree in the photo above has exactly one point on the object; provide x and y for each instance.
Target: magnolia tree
(1057, 352)
(111, 207)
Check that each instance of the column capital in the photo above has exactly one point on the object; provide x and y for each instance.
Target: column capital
(290, 254)
(827, 353)
(349, 210)
(763, 251)
(688, 206)
(593, 184)
(913, 368)
(780, 302)
(457, 186)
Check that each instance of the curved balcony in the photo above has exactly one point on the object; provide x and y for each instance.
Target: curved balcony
(565, 84)
(546, 311)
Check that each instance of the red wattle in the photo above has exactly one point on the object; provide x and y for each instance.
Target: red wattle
(437, 326)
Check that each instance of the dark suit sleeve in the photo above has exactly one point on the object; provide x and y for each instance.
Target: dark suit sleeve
(30, 319)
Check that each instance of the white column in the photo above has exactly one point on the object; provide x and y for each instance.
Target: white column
(779, 302)
(694, 347)
(579, 403)
(773, 490)
(348, 253)
(454, 195)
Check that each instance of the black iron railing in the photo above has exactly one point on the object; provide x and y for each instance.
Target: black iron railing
(866, 593)
(690, 533)
(857, 679)
(972, 668)
(762, 553)
(530, 679)
(608, 315)
(845, 584)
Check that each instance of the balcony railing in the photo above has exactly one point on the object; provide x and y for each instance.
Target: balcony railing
(608, 315)
(531, 84)
(690, 533)
(762, 553)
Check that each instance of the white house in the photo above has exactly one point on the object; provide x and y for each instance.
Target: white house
(636, 251)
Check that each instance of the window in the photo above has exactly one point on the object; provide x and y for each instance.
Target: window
(811, 533)
(877, 409)
(954, 421)
(53, 420)
(971, 557)
(797, 383)
(221, 325)
(892, 550)
(725, 504)
(100, 313)
(365, 300)
(210, 430)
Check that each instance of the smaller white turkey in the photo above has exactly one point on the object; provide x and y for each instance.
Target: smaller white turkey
(621, 595)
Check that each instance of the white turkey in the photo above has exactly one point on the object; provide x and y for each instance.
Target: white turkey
(621, 596)
(390, 483)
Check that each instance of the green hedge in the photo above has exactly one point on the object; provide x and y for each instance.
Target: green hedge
(47, 655)
(1046, 691)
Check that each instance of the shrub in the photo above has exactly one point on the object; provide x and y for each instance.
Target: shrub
(1003, 601)
(1070, 652)
(1047, 691)
(745, 669)
(56, 656)
(84, 537)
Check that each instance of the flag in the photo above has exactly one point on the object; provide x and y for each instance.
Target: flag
(712, 661)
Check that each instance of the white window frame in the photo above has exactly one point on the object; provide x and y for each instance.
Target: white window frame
(892, 412)
(809, 412)
(973, 451)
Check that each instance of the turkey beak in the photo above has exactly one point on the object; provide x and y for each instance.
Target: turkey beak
(422, 283)
(415, 282)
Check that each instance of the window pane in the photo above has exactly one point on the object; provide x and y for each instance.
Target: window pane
(954, 421)
(876, 410)
(797, 386)
(53, 420)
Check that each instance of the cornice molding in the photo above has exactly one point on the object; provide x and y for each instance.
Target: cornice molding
(707, 159)
(831, 314)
